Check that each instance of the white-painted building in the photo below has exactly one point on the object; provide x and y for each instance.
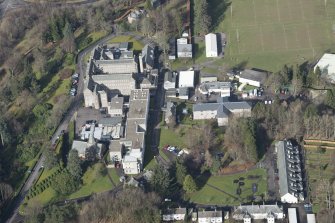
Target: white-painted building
(211, 45)
(210, 216)
(327, 66)
(186, 79)
(292, 215)
(174, 214)
(222, 88)
(311, 218)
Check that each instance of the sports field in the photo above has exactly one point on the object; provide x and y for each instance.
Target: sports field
(270, 33)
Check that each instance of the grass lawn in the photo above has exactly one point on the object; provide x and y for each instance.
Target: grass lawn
(92, 183)
(44, 198)
(170, 137)
(115, 177)
(210, 193)
(268, 34)
(63, 88)
(134, 44)
(46, 173)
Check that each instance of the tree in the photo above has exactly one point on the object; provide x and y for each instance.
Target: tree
(50, 159)
(148, 5)
(181, 171)
(202, 20)
(64, 183)
(73, 164)
(178, 21)
(69, 39)
(297, 83)
(129, 205)
(162, 40)
(189, 184)
(5, 135)
(161, 181)
(60, 214)
(147, 26)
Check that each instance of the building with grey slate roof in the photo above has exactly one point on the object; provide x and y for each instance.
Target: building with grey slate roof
(291, 188)
(221, 111)
(148, 57)
(258, 212)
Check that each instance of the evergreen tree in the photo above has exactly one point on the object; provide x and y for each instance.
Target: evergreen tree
(189, 184)
(148, 5)
(73, 164)
(161, 181)
(181, 172)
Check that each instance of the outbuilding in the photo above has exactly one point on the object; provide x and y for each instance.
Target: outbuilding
(211, 45)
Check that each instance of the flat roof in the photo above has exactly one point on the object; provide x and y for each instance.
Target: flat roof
(110, 121)
(117, 103)
(292, 215)
(186, 78)
(138, 104)
(311, 218)
(115, 146)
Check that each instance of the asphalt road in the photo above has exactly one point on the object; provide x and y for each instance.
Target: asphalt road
(75, 105)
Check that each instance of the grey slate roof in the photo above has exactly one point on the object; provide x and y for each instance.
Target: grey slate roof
(174, 211)
(253, 74)
(237, 105)
(112, 121)
(209, 214)
(148, 55)
(206, 107)
(185, 48)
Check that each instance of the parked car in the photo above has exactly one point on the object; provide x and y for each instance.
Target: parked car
(75, 75)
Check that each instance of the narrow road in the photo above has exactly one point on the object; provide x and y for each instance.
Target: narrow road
(75, 105)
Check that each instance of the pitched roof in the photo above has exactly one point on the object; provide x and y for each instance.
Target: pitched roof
(236, 105)
(148, 55)
(209, 214)
(111, 121)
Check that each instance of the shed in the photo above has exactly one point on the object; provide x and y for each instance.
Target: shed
(211, 45)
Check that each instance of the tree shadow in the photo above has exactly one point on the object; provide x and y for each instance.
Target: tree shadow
(65, 147)
(240, 66)
(262, 140)
(217, 10)
(202, 179)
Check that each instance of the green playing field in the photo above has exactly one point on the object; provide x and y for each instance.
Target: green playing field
(270, 33)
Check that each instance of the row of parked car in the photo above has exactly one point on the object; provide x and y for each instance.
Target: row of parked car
(175, 150)
(74, 84)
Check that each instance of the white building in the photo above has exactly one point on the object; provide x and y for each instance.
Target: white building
(211, 45)
(221, 111)
(174, 214)
(186, 79)
(292, 215)
(222, 88)
(311, 218)
(258, 212)
(327, 66)
(210, 216)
